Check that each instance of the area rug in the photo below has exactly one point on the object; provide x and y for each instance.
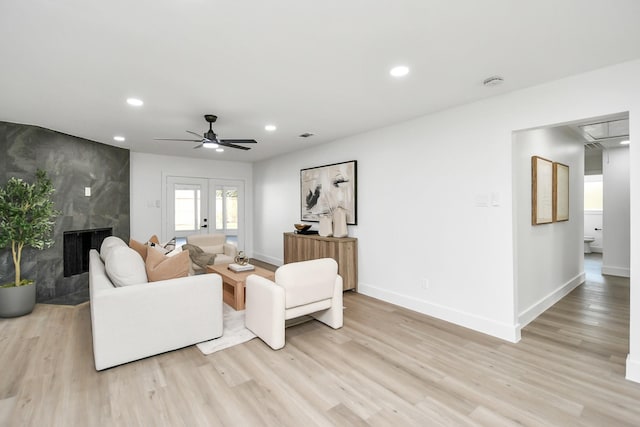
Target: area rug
(234, 332)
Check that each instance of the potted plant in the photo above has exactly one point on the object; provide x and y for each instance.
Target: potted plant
(27, 216)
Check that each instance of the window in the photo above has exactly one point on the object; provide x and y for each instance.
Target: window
(593, 193)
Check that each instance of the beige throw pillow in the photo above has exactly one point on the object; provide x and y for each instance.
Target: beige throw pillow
(139, 247)
(160, 267)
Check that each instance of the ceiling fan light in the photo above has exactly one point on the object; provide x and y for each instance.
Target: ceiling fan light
(119, 138)
(270, 128)
(209, 144)
(219, 149)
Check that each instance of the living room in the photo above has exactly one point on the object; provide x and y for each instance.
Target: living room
(456, 173)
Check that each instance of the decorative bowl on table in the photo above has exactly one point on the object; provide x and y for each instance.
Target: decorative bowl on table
(302, 227)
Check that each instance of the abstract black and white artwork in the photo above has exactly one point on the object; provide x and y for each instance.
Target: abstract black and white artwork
(324, 189)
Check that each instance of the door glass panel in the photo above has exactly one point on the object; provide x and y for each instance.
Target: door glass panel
(219, 210)
(187, 207)
(231, 211)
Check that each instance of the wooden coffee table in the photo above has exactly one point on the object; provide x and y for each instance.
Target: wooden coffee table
(233, 283)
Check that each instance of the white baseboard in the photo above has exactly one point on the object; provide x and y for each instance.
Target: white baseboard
(546, 302)
(616, 271)
(633, 369)
(267, 258)
(500, 330)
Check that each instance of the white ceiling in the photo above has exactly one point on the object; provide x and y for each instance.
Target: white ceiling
(305, 66)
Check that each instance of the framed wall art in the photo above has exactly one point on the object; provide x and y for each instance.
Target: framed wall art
(560, 192)
(541, 190)
(326, 188)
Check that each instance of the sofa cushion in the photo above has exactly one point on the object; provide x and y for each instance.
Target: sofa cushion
(160, 267)
(216, 249)
(109, 243)
(125, 266)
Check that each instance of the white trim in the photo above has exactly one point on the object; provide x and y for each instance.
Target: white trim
(503, 331)
(616, 271)
(546, 302)
(633, 369)
(267, 258)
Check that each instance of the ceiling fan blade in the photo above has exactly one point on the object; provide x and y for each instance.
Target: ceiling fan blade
(196, 134)
(240, 141)
(175, 139)
(199, 145)
(227, 144)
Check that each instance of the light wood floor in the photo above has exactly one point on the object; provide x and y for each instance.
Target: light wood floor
(386, 367)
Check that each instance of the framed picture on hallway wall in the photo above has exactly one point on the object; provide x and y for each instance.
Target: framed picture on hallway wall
(560, 192)
(541, 190)
(326, 188)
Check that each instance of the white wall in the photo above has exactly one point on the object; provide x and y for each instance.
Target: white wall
(616, 221)
(549, 257)
(438, 166)
(147, 196)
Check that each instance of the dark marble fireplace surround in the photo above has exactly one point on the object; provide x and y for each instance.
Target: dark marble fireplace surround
(72, 164)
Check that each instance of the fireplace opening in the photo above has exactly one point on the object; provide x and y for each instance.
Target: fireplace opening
(77, 244)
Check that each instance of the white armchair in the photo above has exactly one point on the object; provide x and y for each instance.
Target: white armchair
(311, 288)
(213, 244)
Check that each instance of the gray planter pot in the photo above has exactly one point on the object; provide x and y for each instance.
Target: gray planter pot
(17, 301)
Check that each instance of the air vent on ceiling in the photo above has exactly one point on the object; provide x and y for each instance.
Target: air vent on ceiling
(305, 135)
(593, 146)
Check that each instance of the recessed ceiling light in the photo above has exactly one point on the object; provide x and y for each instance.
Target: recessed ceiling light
(399, 71)
(135, 102)
(625, 142)
(119, 138)
(493, 81)
(219, 149)
(270, 128)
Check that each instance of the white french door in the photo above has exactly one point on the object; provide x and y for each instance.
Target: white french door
(186, 206)
(204, 205)
(228, 199)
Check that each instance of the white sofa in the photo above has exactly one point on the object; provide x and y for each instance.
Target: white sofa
(140, 320)
(213, 244)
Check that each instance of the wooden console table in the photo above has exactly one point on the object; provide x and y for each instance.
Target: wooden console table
(303, 247)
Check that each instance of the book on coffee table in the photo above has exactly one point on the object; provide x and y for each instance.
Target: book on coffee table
(239, 268)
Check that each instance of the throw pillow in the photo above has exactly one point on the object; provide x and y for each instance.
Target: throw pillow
(139, 247)
(160, 267)
(154, 239)
(174, 252)
(109, 243)
(198, 256)
(125, 267)
(170, 245)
